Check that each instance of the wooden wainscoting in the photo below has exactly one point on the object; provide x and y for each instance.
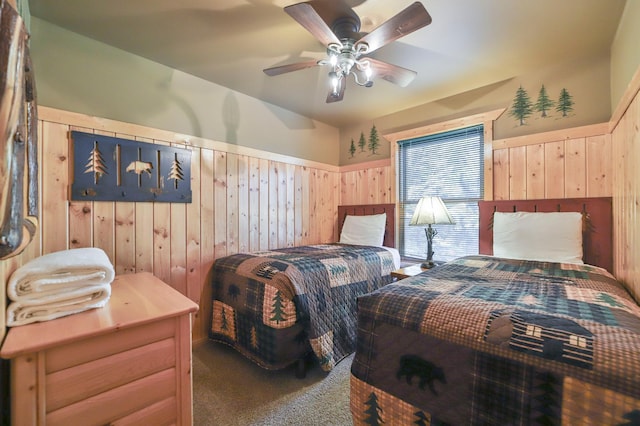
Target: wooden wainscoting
(626, 188)
(242, 199)
(366, 183)
(570, 163)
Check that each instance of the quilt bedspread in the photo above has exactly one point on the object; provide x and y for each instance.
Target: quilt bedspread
(313, 286)
(483, 340)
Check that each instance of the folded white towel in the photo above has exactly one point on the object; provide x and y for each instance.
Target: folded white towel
(55, 306)
(59, 272)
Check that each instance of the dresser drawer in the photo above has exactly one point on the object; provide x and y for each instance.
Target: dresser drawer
(116, 403)
(79, 352)
(70, 385)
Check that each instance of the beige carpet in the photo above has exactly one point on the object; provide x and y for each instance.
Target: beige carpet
(230, 390)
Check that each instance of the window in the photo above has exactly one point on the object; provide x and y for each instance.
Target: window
(449, 165)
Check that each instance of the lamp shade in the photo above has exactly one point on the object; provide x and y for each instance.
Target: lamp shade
(431, 210)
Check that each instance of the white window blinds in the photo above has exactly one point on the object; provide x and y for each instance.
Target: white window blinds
(448, 165)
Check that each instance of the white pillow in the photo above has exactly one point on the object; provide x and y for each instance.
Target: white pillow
(364, 230)
(550, 237)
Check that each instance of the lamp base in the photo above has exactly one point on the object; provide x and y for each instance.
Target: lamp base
(427, 264)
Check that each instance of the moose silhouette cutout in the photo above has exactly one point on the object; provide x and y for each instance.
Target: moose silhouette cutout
(428, 372)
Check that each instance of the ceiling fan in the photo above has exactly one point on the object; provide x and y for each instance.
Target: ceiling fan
(348, 50)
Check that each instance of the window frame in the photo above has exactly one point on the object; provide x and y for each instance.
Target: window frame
(485, 119)
(461, 200)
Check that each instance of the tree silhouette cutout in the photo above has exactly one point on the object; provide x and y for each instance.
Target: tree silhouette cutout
(95, 163)
(373, 411)
(175, 172)
(521, 108)
(278, 311)
(254, 338)
(374, 140)
(565, 103)
(352, 148)
(326, 359)
(609, 300)
(545, 399)
(362, 142)
(423, 419)
(544, 103)
(633, 417)
(223, 319)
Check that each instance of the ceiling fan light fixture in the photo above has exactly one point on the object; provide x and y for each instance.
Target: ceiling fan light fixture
(347, 47)
(335, 82)
(368, 71)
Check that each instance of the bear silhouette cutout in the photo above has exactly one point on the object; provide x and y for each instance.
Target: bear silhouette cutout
(139, 167)
(428, 372)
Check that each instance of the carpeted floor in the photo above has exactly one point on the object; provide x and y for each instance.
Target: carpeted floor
(230, 390)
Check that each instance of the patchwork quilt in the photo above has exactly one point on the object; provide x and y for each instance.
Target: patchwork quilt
(483, 340)
(275, 306)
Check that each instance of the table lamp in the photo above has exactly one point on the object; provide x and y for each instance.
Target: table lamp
(430, 211)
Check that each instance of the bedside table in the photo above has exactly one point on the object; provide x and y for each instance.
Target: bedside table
(411, 270)
(408, 271)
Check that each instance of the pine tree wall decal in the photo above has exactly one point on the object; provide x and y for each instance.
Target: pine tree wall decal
(522, 107)
(565, 103)
(362, 142)
(95, 163)
(374, 140)
(352, 148)
(544, 103)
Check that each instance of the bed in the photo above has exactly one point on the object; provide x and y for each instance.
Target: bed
(276, 307)
(504, 341)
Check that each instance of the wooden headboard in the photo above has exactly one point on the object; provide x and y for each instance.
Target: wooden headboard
(367, 209)
(597, 230)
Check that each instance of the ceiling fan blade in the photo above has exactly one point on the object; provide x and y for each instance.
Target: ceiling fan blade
(281, 69)
(336, 97)
(307, 16)
(392, 73)
(409, 20)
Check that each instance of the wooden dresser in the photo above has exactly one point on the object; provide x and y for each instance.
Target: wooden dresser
(127, 363)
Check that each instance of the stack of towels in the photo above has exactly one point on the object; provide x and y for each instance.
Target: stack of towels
(58, 284)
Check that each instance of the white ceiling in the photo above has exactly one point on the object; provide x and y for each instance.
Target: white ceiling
(469, 44)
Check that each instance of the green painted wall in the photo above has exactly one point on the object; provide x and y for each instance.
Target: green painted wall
(78, 74)
(625, 51)
(587, 81)
(596, 85)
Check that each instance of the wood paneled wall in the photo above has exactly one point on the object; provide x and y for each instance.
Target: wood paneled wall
(625, 135)
(243, 200)
(571, 163)
(366, 183)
